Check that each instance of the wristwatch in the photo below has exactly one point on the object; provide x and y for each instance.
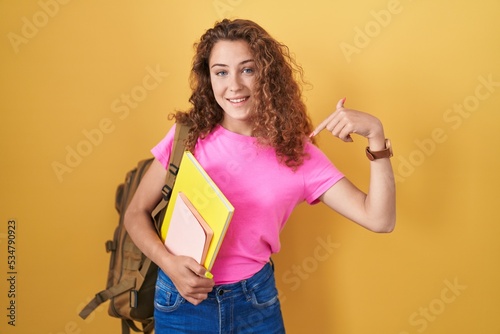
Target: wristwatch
(385, 153)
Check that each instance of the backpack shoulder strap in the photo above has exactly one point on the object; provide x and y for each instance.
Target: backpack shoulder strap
(181, 133)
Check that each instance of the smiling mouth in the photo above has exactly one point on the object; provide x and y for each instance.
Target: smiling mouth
(238, 100)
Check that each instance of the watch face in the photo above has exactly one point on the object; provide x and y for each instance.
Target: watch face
(388, 145)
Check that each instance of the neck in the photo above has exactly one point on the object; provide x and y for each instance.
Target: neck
(236, 126)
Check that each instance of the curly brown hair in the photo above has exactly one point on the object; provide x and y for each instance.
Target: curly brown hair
(280, 119)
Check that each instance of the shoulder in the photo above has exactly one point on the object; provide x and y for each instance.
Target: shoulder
(317, 162)
(163, 149)
(314, 153)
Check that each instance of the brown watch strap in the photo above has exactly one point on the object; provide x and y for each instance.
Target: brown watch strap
(385, 153)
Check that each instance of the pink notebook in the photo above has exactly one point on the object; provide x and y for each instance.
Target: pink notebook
(188, 234)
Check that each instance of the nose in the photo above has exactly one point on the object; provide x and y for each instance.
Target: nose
(235, 83)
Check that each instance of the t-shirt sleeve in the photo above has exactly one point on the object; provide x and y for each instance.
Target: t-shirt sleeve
(320, 174)
(163, 149)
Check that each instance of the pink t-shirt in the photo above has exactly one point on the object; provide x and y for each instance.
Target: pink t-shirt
(262, 190)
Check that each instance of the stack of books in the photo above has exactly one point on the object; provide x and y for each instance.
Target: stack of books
(197, 216)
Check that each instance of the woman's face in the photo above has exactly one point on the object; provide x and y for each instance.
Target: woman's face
(232, 74)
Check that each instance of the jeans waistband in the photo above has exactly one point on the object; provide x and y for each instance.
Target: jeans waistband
(243, 286)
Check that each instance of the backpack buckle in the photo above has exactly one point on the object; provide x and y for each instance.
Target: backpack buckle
(99, 298)
(166, 191)
(173, 169)
(110, 246)
(133, 298)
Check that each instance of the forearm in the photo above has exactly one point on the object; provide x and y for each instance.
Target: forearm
(140, 227)
(380, 202)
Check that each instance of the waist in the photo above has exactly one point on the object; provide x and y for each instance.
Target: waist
(244, 285)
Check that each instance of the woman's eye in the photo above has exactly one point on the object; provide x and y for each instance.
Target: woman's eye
(221, 73)
(248, 70)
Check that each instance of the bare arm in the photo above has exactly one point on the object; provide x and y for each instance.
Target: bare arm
(185, 272)
(375, 210)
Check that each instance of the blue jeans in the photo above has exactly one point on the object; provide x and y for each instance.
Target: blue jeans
(249, 306)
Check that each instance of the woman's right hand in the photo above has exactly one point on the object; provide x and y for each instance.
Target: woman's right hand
(189, 278)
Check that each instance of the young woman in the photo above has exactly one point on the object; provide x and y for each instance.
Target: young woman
(250, 131)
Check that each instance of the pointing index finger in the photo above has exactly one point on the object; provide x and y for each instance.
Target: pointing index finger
(323, 124)
(320, 127)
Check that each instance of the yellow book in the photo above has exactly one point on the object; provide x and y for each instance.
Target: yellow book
(206, 197)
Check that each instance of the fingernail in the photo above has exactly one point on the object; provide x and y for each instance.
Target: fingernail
(343, 100)
(208, 274)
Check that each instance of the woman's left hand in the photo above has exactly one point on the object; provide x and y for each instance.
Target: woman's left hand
(344, 122)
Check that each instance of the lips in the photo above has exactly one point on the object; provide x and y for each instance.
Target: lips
(238, 100)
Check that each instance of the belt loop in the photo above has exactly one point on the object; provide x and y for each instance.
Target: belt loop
(245, 290)
(272, 263)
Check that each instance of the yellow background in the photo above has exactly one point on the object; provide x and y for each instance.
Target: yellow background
(421, 66)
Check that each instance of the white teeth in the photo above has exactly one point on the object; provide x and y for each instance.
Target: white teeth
(238, 100)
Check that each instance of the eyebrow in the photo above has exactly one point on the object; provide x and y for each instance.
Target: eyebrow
(242, 63)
